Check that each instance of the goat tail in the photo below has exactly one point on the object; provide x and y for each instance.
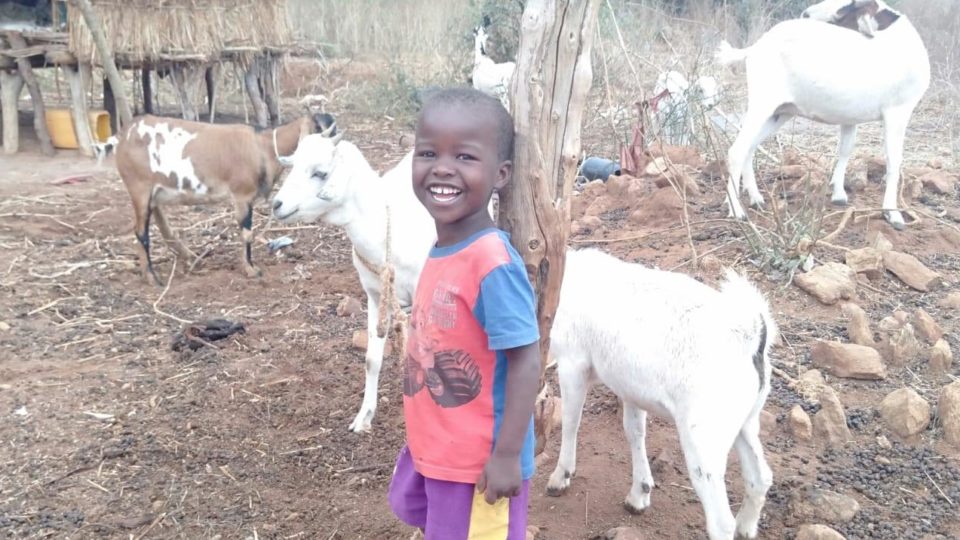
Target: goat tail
(749, 314)
(104, 149)
(727, 54)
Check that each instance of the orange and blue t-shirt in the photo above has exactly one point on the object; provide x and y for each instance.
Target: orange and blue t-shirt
(473, 302)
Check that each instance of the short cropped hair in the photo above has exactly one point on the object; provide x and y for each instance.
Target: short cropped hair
(474, 99)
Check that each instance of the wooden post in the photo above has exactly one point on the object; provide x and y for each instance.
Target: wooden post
(106, 59)
(11, 84)
(251, 80)
(39, 110)
(79, 110)
(110, 105)
(146, 72)
(185, 78)
(549, 89)
(270, 92)
(211, 79)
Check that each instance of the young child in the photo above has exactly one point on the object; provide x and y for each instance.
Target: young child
(473, 361)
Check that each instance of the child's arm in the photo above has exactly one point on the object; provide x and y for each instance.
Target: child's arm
(501, 475)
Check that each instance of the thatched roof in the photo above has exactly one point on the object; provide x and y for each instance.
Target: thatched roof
(159, 30)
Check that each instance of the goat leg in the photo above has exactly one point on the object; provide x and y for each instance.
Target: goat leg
(245, 217)
(141, 229)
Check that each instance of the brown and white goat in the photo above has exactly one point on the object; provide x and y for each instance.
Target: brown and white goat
(169, 161)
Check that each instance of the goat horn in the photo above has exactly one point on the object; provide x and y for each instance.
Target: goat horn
(329, 130)
(336, 138)
(285, 161)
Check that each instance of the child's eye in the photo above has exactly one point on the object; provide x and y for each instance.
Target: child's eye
(465, 157)
(426, 154)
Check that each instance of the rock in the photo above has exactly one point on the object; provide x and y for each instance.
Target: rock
(812, 504)
(905, 412)
(884, 442)
(623, 533)
(799, 424)
(911, 271)
(656, 167)
(617, 186)
(768, 422)
(532, 532)
(665, 205)
(939, 182)
(879, 242)
(678, 155)
(598, 206)
(935, 163)
(867, 261)
(818, 532)
(912, 188)
(848, 361)
(591, 223)
(830, 422)
(890, 324)
(940, 357)
(359, 341)
(948, 410)
(926, 327)
(348, 307)
(901, 346)
(4, 327)
(682, 178)
(951, 301)
(858, 325)
(829, 283)
(808, 385)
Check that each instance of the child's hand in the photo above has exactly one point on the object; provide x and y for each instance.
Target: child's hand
(500, 477)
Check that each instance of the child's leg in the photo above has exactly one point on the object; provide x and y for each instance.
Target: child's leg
(407, 494)
(456, 511)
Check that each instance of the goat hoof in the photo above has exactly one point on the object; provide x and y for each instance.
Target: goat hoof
(633, 509)
(254, 272)
(839, 202)
(556, 491)
(895, 220)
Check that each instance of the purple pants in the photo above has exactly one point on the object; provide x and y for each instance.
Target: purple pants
(452, 510)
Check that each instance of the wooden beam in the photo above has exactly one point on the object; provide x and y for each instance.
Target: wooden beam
(548, 93)
(107, 60)
(11, 84)
(39, 110)
(79, 110)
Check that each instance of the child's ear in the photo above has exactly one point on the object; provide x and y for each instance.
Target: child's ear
(504, 172)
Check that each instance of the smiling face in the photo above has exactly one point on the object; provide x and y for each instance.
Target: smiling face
(456, 166)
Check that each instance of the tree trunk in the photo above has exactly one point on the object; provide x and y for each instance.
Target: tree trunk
(270, 92)
(210, 75)
(11, 84)
(106, 59)
(79, 110)
(549, 89)
(39, 110)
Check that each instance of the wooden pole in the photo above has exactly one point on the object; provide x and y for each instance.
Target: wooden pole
(11, 84)
(79, 110)
(211, 73)
(271, 93)
(39, 110)
(107, 60)
(549, 89)
(146, 72)
(251, 80)
(110, 105)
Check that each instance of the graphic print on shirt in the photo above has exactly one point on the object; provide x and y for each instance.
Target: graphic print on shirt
(452, 378)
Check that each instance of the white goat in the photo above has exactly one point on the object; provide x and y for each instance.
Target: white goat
(697, 355)
(489, 77)
(666, 343)
(331, 180)
(828, 73)
(672, 95)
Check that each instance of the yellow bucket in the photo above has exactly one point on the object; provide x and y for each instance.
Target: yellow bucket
(60, 126)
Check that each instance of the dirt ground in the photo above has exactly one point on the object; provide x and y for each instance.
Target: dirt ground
(108, 432)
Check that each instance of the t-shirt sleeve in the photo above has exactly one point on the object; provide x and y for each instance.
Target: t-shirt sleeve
(506, 308)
